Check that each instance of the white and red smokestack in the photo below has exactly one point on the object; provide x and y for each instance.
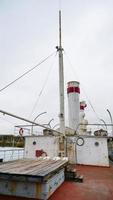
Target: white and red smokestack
(83, 122)
(83, 105)
(73, 92)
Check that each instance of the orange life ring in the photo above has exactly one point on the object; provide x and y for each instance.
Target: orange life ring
(21, 131)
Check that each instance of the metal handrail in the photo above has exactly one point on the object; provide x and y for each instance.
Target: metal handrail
(11, 154)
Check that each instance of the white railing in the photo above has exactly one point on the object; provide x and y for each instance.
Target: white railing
(8, 154)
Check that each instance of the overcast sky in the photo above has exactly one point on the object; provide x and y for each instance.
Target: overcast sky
(29, 33)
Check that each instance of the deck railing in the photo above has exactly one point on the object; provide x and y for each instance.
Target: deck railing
(11, 154)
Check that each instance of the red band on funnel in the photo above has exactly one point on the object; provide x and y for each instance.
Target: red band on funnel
(73, 90)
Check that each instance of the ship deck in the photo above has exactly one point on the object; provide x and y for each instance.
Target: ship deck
(97, 185)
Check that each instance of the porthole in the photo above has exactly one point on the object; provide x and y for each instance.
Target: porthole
(34, 142)
(96, 144)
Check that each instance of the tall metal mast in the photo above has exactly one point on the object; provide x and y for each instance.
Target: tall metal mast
(61, 80)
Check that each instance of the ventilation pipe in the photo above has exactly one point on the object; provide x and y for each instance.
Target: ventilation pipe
(83, 105)
(83, 122)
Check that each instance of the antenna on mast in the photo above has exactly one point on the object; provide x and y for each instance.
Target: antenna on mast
(61, 79)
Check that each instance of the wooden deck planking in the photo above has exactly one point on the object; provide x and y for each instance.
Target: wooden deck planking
(31, 167)
(39, 169)
(20, 165)
(46, 169)
(13, 164)
(10, 164)
(51, 168)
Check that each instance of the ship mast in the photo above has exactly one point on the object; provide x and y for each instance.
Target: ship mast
(61, 80)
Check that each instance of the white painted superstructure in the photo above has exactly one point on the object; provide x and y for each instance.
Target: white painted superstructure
(85, 150)
(94, 151)
(73, 92)
(49, 145)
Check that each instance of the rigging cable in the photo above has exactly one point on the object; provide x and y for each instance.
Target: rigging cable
(25, 73)
(43, 87)
(83, 89)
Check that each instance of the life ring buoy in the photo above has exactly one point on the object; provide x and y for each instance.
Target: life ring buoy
(80, 141)
(21, 131)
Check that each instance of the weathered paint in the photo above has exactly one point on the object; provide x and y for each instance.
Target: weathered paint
(89, 153)
(24, 189)
(13, 187)
(32, 189)
(97, 185)
(94, 151)
(51, 185)
(71, 152)
(38, 189)
(32, 178)
(45, 190)
(49, 145)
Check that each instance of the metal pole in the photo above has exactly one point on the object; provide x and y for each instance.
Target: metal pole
(35, 120)
(39, 115)
(97, 124)
(111, 121)
(104, 123)
(56, 125)
(61, 80)
(61, 90)
(50, 122)
(26, 120)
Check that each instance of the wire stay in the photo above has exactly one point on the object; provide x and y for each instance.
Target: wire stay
(9, 84)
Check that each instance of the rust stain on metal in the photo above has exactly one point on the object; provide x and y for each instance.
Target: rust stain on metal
(12, 187)
(38, 189)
